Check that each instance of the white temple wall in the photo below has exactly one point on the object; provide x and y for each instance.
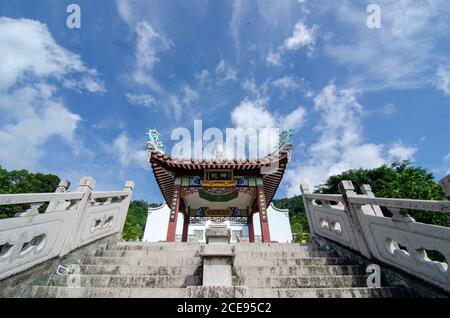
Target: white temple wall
(158, 218)
(279, 224)
(157, 222)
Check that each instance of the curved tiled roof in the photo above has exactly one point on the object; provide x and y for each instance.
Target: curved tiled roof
(166, 168)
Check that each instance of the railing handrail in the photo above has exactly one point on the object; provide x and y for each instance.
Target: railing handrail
(326, 197)
(425, 205)
(106, 195)
(29, 198)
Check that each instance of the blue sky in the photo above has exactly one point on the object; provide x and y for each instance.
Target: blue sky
(77, 102)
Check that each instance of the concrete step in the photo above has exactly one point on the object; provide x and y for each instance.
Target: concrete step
(90, 292)
(297, 254)
(255, 247)
(159, 245)
(333, 281)
(271, 262)
(193, 253)
(177, 246)
(173, 260)
(140, 270)
(126, 281)
(241, 247)
(385, 292)
(147, 253)
(318, 270)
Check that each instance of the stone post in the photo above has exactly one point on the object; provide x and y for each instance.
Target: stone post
(63, 187)
(85, 186)
(347, 190)
(367, 190)
(125, 205)
(304, 188)
(445, 184)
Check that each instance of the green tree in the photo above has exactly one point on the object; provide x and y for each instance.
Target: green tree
(22, 181)
(400, 181)
(136, 219)
(296, 212)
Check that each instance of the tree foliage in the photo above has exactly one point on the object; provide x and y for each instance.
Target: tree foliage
(136, 219)
(399, 180)
(22, 181)
(297, 215)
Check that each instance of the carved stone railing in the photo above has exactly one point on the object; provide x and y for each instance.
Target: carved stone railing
(357, 222)
(71, 220)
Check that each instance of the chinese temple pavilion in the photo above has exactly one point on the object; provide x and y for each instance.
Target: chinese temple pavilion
(218, 191)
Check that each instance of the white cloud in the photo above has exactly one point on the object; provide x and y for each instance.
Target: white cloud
(247, 109)
(189, 95)
(129, 152)
(287, 83)
(31, 112)
(148, 45)
(226, 72)
(389, 109)
(258, 92)
(291, 84)
(145, 100)
(443, 76)
(339, 145)
(203, 77)
(302, 36)
(177, 107)
(376, 58)
(447, 157)
(400, 152)
(295, 120)
(29, 50)
(33, 116)
(242, 117)
(110, 123)
(274, 58)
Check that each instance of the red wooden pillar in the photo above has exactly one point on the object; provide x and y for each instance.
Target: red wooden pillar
(264, 220)
(251, 230)
(175, 207)
(184, 237)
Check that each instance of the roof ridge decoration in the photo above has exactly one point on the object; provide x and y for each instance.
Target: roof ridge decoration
(154, 142)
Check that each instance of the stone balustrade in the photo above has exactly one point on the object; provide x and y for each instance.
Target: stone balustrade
(357, 222)
(71, 220)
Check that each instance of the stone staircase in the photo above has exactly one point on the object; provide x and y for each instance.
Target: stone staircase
(166, 270)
